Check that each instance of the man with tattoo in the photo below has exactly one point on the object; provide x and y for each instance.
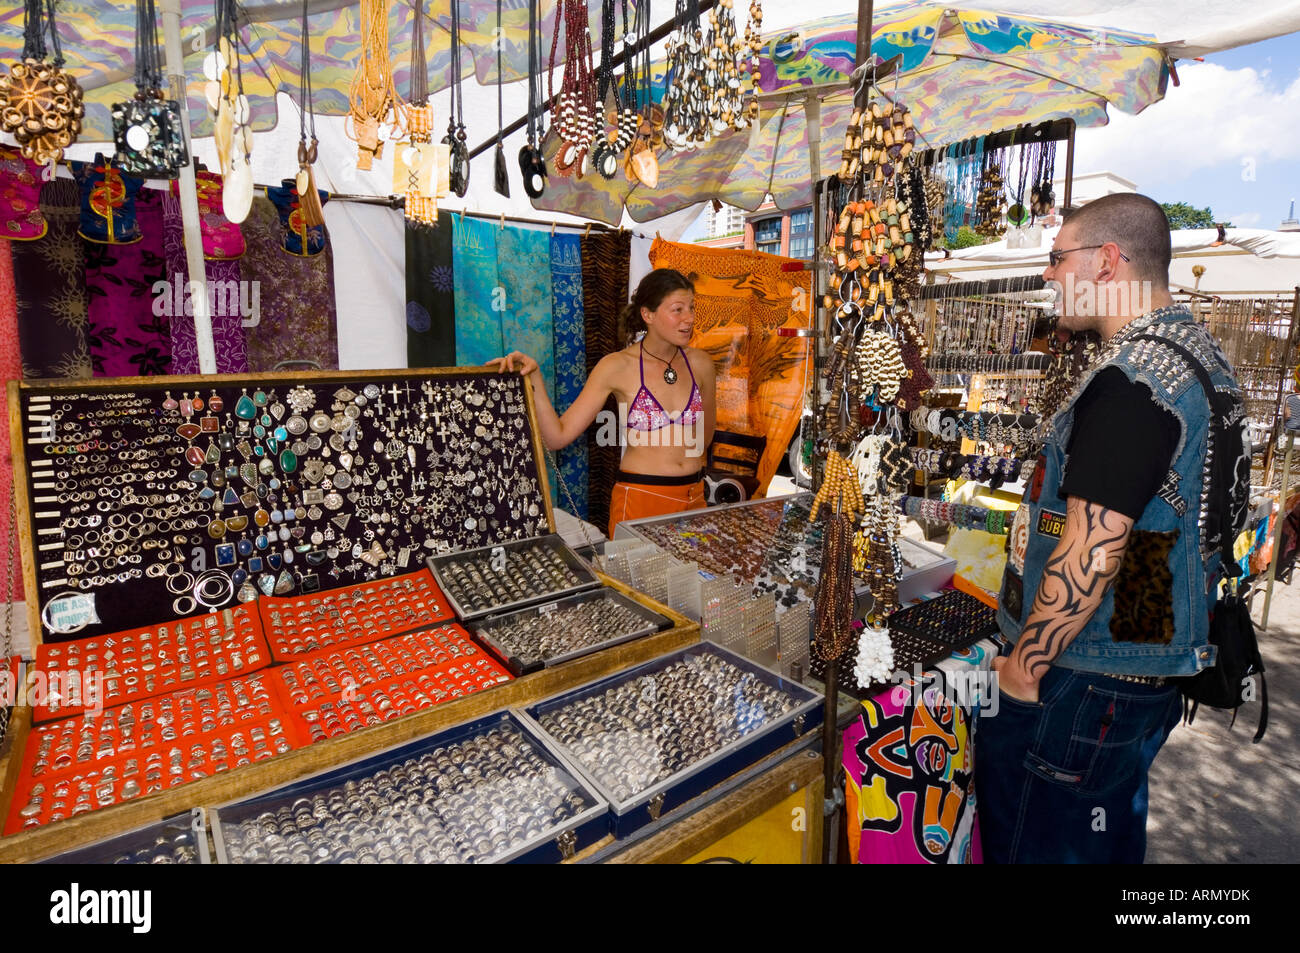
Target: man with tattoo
(1110, 577)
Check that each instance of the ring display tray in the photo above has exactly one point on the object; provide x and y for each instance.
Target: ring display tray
(657, 736)
(489, 791)
(182, 839)
(493, 579)
(538, 637)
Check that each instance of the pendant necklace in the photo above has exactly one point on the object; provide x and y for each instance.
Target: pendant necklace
(670, 375)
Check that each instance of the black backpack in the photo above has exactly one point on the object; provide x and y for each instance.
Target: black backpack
(1231, 680)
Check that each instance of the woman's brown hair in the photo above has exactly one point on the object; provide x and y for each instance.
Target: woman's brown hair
(650, 293)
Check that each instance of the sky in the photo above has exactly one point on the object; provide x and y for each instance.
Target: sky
(1228, 137)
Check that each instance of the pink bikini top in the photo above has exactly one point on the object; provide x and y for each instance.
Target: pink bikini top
(647, 413)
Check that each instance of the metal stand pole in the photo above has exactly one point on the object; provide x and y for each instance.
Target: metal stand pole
(198, 286)
(1277, 528)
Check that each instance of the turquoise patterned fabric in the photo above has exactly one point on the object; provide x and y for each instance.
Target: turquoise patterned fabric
(570, 357)
(474, 263)
(524, 273)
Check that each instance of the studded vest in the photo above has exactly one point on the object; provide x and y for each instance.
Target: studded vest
(1154, 618)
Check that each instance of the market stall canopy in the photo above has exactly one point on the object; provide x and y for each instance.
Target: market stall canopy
(1244, 260)
(963, 72)
(99, 43)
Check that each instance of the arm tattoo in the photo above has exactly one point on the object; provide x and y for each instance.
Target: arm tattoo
(1074, 581)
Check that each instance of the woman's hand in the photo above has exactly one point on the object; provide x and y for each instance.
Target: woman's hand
(515, 360)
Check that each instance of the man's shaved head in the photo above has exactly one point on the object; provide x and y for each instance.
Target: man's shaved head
(1135, 223)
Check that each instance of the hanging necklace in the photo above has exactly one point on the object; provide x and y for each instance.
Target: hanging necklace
(577, 100)
(501, 181)
(531, 163)
(670, 375)
(458, 179)
(41, 102)
(310, 210)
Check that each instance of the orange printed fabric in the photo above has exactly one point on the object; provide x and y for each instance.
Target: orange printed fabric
(741, 299)
(635, 501)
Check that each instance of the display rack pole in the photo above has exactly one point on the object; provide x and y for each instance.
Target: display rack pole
(198, 285)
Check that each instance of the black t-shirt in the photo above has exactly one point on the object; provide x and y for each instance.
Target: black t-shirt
(1121, 445)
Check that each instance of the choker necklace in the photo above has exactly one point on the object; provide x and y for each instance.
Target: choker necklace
(670, 375)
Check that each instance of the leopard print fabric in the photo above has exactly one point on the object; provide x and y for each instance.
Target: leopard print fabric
(1144, 602)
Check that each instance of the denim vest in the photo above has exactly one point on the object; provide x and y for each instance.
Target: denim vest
(1176, 512)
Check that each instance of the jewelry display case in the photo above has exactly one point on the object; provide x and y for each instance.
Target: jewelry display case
(182, 839)
(142, 500)
(507, 575)
(556, 632)
(769, 544)
(653, 738)
(490, 791)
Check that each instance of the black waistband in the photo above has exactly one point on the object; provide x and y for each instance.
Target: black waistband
(651, 479)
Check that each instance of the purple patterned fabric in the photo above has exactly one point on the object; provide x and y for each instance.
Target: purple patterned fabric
(231, 301)
(125, 336)
(297, 297)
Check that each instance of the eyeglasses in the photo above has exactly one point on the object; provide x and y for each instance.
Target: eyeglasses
(1055, 257)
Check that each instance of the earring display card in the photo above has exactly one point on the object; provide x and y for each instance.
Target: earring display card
(490, 791)
(656, 736)
(542, 636)
(110, 670)
(83, 764)
(492, 579)
(147, 498)
(341, 617)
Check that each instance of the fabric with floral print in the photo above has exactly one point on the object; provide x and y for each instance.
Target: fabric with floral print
(297, 327)
(127, 338)
(570, 358)
(430, 294)
(222, 238)
(232, 302)
(50, 287)
(20, 197)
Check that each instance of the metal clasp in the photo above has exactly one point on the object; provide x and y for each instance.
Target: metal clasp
(656, 805)
(568, 843)
(798, 725)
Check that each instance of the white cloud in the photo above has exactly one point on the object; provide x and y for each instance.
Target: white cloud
(1217, 117)
(1244, 219)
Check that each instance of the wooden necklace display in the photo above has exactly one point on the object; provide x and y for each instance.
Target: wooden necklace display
(40, 102)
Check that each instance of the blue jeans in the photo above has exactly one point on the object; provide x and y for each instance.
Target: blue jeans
(1064, 779)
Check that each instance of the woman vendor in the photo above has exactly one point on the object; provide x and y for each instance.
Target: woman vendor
(665, 394)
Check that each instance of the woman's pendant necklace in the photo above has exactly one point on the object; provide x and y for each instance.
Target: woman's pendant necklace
(670, 375)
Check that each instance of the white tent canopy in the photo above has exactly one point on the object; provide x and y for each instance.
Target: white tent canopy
(1249, 261)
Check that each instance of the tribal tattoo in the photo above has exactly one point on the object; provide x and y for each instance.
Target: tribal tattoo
(1074, 582)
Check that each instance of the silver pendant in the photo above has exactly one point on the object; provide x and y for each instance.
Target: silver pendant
(670, 376)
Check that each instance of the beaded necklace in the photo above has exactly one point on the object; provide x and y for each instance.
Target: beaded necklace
(577, 101)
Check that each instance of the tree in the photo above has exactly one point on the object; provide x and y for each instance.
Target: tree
(1182, 215)
(967, 237)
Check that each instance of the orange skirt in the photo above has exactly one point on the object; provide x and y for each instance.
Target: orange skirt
(633, 501)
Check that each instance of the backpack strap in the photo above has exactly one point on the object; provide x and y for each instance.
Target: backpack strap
(1219, 406)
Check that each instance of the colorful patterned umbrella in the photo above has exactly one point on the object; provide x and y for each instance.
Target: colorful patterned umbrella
(99, 42)
(962, 73)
